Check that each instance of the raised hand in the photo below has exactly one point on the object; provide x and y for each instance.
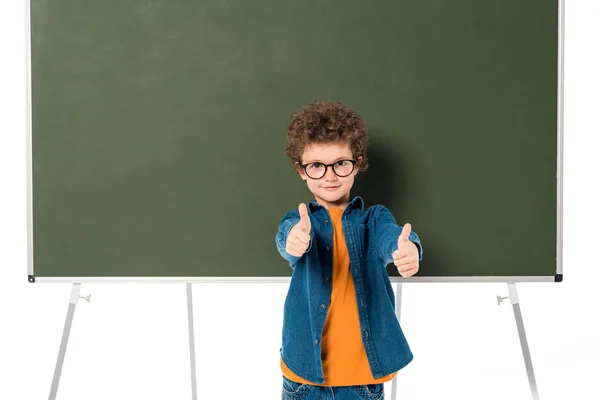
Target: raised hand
(298, 239)
(406, 258)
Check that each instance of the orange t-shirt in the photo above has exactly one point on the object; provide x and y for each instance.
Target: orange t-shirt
(343, 353)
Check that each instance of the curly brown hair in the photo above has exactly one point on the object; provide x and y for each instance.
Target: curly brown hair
(327, 122)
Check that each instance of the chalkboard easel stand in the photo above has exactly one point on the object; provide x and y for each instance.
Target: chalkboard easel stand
(514, 299)
(65, 339)
(74, 298)
(67, 330)
(188, 289)
(398, 303)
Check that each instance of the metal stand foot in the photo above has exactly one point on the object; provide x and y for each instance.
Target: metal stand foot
(398, 303)
(188, 287)
(65, 339)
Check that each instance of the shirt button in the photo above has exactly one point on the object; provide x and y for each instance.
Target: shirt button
(366, 334)
(316, 341)
(326, 221)
(323, 306)
(327, 247)
(326, 278)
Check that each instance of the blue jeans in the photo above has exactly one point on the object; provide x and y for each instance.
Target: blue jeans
(295, 391)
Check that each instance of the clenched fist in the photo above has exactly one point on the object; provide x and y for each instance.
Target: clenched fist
(406, 258)
(299, 237)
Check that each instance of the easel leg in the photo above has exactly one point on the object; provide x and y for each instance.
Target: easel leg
(65, 339)
(398, 303)
(188, 287)
(514, 299)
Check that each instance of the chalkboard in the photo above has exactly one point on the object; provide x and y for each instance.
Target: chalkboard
(158, 128)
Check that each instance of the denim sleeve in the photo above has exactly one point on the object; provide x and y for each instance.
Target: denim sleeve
(387, 233)
(287, 223)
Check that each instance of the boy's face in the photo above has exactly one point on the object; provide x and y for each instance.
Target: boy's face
(330, 190)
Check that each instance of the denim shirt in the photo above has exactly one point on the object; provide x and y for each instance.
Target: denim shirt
(371, 237)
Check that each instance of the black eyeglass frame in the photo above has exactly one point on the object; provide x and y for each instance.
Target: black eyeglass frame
(327, 167)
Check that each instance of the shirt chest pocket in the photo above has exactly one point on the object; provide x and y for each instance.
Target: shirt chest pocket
(362, 243)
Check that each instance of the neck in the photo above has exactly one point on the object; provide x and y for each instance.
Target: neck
(341, 203)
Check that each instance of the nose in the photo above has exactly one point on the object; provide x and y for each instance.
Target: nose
(330, 175)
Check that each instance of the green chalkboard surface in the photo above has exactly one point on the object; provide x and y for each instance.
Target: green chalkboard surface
(158, 130)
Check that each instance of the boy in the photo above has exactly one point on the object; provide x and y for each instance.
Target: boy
(341, 338)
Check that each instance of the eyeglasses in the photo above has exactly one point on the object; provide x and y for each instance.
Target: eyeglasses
(317, 170)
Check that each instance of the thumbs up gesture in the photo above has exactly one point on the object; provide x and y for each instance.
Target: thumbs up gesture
(406, 258)
(299, 237)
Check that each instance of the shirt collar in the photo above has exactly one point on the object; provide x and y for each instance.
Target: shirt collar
(356, 202)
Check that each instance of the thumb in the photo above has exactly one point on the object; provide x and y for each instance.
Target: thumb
(304, 219)
(405, 232)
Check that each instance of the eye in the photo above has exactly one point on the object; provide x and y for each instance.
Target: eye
(316, 165)
(342, 163)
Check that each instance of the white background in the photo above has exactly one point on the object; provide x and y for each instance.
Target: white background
(131, 341)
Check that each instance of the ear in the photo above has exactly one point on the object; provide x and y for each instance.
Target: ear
(359, 160)
(300, 171)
